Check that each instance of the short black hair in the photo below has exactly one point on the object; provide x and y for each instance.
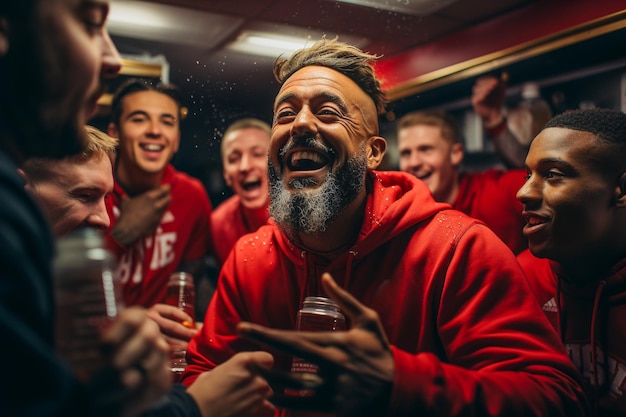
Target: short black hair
(134, 85)
(607, 124)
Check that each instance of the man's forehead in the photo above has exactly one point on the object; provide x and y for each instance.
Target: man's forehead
(322, 77)
(319, 80)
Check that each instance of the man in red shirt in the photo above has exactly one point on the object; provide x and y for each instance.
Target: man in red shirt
(244, 161)
(575, 208)
(160, 217)
(430, 147)
(451, 327)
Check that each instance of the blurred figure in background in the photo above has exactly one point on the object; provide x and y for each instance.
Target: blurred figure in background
(575, 208)
(510, 131)
(160, 217)
(431, 148)
(54, 58)
(244, 161)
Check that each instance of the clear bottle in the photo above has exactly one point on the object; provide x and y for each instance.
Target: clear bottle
(530, 116)
(87, 297)
(181, 293)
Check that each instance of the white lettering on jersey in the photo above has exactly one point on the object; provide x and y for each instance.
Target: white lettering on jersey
(163, 254)
(580, 354)
(160, 245)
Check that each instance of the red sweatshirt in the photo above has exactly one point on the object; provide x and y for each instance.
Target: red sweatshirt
(231, 220)
(490, 197)
(184, 234)
(468, 337)
(591, 322)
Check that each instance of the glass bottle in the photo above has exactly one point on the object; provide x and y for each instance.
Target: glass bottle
(88, 298)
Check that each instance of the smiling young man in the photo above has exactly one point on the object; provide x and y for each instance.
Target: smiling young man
(575, 205)
(447, 331)
(160, 217)
(244, 161)
(431, 148)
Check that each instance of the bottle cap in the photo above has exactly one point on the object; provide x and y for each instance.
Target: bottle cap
(530, 90)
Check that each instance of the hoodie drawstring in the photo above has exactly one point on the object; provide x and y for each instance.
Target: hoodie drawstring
(348, 274)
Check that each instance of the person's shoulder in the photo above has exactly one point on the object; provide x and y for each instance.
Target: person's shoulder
(495, 175)
(226, 208)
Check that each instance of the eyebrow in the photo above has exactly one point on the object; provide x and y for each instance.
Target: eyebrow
(559, 162)
(326, 96)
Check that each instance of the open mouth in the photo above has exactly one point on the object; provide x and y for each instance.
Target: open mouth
(534, 221)
(251, 185)
(424, 177)
(309, 160)
(152, 147)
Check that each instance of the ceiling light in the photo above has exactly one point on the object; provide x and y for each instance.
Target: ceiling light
(413, 7)
(170, 24)
(268, 45)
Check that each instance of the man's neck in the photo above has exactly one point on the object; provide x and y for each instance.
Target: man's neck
(135, 182)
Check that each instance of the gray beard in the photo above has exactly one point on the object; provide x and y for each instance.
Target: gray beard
(312, 211)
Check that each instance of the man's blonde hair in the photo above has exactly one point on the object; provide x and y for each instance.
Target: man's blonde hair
(97, 145)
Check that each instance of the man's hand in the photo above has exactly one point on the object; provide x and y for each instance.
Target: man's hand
(357, 363)
(141, 215)
(139, 357)
(170, 319)
(235, 388)
(488, 96)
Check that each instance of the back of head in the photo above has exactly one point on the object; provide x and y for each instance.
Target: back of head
(341, 57)
(25, 131)
(135, 85)
(437, 118)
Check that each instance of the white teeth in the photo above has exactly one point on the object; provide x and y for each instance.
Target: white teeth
(152, 147)
(312, 156)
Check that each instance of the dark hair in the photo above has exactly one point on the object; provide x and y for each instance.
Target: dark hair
(437, 118)
(341, 57)
(607, 124)
(134, 85)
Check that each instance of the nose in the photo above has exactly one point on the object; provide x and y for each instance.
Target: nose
(244, 163)
(99, 218)
(529, 192)
(304, 123)
(415, 160)
(111, 60)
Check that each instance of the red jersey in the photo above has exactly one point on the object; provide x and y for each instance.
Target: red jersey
(467, 336)
(231, 220)
(183, 234)
(490, 196)
(591, 322)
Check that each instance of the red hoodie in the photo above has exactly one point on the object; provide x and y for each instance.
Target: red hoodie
(591, 322)
(231, 220)
(468, 337)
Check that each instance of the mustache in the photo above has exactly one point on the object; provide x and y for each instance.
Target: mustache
(305, 142)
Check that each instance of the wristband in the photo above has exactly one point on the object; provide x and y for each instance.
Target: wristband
(498, 129)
